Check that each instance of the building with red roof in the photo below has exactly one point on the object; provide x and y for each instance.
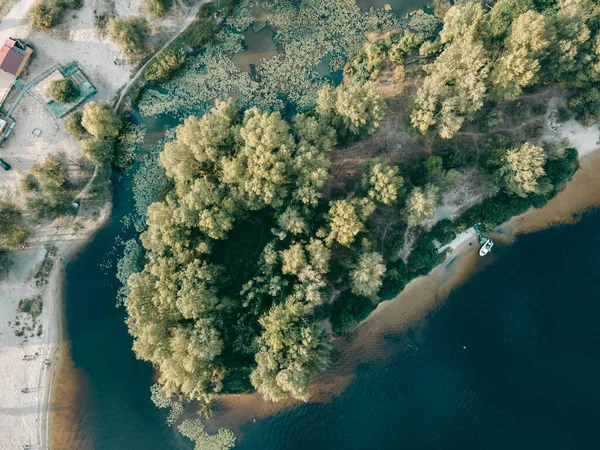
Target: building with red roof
(14, 55)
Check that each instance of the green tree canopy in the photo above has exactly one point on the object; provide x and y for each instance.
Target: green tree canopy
(382, 182)
(100, 120)
(421, 204)
(291, 349)
(356, 108)
(63, 90)
(367, 274)
(523, 170)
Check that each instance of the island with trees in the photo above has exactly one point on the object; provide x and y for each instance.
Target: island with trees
(271, 223)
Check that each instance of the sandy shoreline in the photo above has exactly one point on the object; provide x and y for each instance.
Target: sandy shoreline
(24, 416)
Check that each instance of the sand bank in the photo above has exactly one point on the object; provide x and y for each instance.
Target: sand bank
(24, 416)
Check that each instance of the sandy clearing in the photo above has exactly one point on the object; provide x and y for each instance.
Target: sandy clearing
(584, 139)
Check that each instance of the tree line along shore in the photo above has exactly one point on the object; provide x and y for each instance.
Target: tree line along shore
(256, 249)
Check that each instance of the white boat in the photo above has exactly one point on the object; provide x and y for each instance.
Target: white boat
(486, 247)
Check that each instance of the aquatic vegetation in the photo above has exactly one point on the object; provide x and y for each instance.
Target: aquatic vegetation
(306, 34)
(150, 182)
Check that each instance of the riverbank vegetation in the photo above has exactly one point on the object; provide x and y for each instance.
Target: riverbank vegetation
(290, 213)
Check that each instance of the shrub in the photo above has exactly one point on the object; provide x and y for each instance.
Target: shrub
(12, 235)
(564, 114)
(539, 109)
(585, 106)
(395, 279)
(51, 174)
(129, 34)
(63, 91)
(443, 231)
(68, 4)
(158, 8)
(206, 10)
(5, 263)
(28, 182)
(165, 65)
(73, 125)
(43, 16)
(45, 206)
(455, 156)
(424, 256)
(199, 33)
(99, 151)
(533, 130)
(347, 312)
(100, 120)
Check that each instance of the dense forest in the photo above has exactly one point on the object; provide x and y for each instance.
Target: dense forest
(253, 254)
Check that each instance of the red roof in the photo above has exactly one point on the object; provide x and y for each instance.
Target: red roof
(10, 58)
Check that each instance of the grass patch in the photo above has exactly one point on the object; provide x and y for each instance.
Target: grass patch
(42, 272)
(32, 306)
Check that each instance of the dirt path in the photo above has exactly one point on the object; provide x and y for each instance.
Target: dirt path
(188, 21)
(16, 18)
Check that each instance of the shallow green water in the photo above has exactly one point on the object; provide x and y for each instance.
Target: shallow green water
(259, 45)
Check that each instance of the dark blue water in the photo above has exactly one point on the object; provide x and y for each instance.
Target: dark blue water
(528, 378)
(115, 412)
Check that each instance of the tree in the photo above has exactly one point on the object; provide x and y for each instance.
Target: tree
(357, 108)
(158, 8)
(43, 16)
(294, 259)
(320, 255)
(502, 16)
(346, 220)
(421, 204)
(367, 274)
(63, 90)
(129, 34)
(99, 151)
(382, 182)
(165, 65)
(454, 88)
(523, 170)
(199, 145)
(463, 21)
(291, 349)
(574, 57)
(12, 235)
(267, 157)
(292, 221)
(73, 125)
(529, 39)
(100, 120)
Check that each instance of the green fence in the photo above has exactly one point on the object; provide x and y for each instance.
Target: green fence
(85, 88)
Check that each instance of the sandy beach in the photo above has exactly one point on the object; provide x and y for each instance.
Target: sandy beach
(24, 416)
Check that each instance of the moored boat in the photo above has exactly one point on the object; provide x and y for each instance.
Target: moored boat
(486, 247)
